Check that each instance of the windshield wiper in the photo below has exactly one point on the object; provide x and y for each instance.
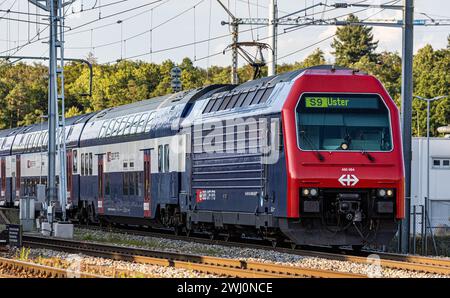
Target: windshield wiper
(311, 146)
(368, 155)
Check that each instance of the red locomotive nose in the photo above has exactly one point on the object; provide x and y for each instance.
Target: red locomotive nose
(342, 136)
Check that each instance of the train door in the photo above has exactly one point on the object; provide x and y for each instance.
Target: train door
(69, 176)
(101, 188)
(147, 182)
(17, 179)
(3, 181)
(3, 174)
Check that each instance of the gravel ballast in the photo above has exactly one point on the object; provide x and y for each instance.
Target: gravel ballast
(249, 254)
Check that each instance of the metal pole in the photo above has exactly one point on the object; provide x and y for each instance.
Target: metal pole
(414, 229)
(52, 101)
(407, 93)
(234, 54)
(273, 30)
(428, 174)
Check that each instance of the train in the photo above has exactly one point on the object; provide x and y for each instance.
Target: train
(308, 157)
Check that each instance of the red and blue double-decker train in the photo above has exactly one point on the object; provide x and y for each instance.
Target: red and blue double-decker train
(312, 156)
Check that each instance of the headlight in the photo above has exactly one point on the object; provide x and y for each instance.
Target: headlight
(305, 192)
(313, 192)
(390, 192)
(381, 192)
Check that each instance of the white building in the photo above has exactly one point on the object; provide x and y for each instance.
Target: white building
(439, 207)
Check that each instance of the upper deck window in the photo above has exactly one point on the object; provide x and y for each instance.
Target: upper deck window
(331, 122)
(236, 99)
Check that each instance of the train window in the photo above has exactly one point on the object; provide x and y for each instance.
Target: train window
(131, 164)
(82, 164)
(86, 164)
(107, 185)
(166, 158)
(36, 140)
(21, 143)
(441, 163)
(131, 187)
(140, 186)
(141, 124)
(135, 125)
(217, 104)
(258, 96)
(75, 161)
(90, 163)
(354, 122)
(120, 125)
(125, 184)
(69, 132)
(266, 95)
(130, 122)
(232, 102)
(209, 105)
(160, 160)
(225, 102)
(249, 98)
(148, 124)
(110, 128)
(30, 141)
(102, 129)
(241, 99)
(45, 140)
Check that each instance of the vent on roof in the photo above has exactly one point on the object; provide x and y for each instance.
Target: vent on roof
(238, 99)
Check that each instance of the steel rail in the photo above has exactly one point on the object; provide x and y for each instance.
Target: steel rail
(37, 270)
(210, 265)
(387, 260)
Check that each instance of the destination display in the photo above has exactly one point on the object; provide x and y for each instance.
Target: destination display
(341, 102)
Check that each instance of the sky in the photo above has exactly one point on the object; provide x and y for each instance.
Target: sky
(174, 29)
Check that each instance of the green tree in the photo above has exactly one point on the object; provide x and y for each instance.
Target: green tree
(352, 42)
(431, 78)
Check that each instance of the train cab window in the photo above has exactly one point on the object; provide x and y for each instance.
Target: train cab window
(75, 162)
(355, 122)
(90, 163)
(82, 164)
(166, 158)
(160, 159)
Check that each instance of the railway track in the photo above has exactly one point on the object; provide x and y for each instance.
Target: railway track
(386, 260)
(209, 265)
(14, 268)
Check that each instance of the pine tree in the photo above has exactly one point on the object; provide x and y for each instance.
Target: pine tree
(352, 42)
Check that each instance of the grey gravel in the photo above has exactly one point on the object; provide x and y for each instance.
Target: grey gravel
(249, 254)
(78, 261)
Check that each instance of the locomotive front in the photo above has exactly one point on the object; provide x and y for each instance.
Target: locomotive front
(344, 160)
